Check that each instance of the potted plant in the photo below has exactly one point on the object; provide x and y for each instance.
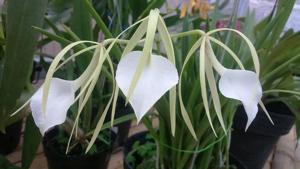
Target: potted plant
(278, 82)
(188, 142)
(56, 141)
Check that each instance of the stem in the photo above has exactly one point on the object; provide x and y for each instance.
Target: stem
(194, 158)
(188, 33)
(177, 35)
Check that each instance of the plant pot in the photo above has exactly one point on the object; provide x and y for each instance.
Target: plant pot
(252, 148)
(128, 147)
(10, 140)
(59, 160)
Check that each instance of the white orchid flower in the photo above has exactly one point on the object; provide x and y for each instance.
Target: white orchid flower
(242, 85)
(157, 77)
(245, 86)
(239, 84)
(60, 93)
(61, 96)
(144, 77)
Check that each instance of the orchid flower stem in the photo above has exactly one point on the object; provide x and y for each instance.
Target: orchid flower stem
(188, 33)
(178, 35)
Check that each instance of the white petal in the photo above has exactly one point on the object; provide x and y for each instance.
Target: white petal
(61, 97)
(156, 79)
(242, 85)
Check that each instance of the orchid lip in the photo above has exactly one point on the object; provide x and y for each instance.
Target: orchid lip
(242, 85)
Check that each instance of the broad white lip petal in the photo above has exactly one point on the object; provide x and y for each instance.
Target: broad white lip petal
(61, 97)
(242, 85)
(156, 79)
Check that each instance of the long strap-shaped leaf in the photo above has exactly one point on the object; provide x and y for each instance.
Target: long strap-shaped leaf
(167, 41)
(20, 44)
(203, 81)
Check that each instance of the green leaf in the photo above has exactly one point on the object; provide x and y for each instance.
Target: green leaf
(81, 25)
(151, 5)
(137, 7)
(279, 15)
(100, 23)
(21, 41)
(32, 139)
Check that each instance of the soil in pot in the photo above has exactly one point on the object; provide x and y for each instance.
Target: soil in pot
(252, 148)
(10, 140)
(55, 143)
(139, 152)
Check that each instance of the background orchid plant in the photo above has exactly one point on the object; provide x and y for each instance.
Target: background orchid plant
(144, 77)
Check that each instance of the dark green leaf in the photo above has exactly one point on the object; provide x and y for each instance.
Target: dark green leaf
(32, 139)
(21, 41)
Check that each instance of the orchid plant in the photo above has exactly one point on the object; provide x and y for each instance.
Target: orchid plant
(145, 76)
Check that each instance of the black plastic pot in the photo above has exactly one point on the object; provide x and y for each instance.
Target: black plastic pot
(141, 137)
(10, 140)
(59, 160)
(250, 149)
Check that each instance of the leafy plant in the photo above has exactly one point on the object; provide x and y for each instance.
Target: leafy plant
(146, 152)
(188, 128)
(19, 47)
